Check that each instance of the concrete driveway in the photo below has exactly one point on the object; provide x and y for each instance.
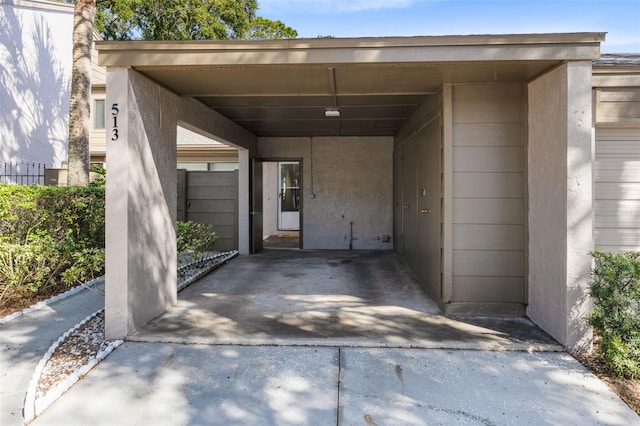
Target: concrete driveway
(327, 298)
(332, 338)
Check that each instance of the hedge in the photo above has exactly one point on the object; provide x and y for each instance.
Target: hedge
(49, 236)
(55, 236)
(615, 289)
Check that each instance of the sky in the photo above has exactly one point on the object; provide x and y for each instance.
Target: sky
(620, 19)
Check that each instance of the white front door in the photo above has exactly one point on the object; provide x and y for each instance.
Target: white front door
(289, 191)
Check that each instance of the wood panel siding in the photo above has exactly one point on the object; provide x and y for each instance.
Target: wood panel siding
(619, 105)
(617, 189)
(418, 195)
(211, 198)
(488, 194)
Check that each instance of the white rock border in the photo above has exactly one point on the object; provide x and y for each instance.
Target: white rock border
(33, 406)
(221, 257)
(228, 255)
(56, 298)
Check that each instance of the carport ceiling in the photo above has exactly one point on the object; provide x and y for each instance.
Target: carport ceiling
(282, 88)
(374, 100)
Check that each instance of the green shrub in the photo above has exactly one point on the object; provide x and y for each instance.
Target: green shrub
(196, 238)
(69, 213)
(31, 267)
(86, 265)
(97, 176)
(45, 232)
(615, 289)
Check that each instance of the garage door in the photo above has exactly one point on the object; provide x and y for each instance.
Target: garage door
(617, 189)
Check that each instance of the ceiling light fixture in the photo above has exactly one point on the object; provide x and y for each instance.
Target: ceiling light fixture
(332, 112)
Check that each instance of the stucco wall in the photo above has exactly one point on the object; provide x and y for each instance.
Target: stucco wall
(141, 203)
(35, 75)
(345, 179)
(560, 155)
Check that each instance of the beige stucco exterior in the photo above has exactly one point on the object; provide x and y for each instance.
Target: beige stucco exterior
(141, 195)
(560, 216)
(474, 153)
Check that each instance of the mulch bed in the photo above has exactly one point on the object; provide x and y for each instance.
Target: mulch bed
(627, 389)
(18, 301)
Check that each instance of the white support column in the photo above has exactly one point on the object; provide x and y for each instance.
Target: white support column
(560, 162)
(141, 253)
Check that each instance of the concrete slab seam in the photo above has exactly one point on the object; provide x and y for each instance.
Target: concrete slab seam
(82, 287)
(34, 406)
(327, 343)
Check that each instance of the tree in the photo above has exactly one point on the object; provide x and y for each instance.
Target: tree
(262, 28)
(80, 100)
(185, 20)
(148, 20)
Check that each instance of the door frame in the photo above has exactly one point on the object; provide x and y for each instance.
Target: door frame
(302, 189)
(255, 205)
(279, 212)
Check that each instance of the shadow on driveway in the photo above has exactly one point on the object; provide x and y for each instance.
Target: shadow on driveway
(328, 298)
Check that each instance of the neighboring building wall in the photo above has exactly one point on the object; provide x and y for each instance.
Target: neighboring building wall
(35, 76)
(617, 189)
(616, 80)
(345, 179)
(560, 216)
(97, 142)
(618, 106)
(488, 198)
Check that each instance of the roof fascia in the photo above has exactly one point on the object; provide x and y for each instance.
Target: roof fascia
(475, 48)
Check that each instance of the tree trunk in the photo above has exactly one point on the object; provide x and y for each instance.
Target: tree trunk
(80, 102)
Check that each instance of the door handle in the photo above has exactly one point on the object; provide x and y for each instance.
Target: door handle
(426, 211)
(407, 206)
(254, 213)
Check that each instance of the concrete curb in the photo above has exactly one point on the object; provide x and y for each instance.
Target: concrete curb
(34, 406)
(53, 299)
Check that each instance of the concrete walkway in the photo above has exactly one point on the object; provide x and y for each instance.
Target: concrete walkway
(25, 340)
(172, 384)
(326, 338)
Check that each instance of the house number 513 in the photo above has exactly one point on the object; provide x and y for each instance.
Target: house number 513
(114, 115)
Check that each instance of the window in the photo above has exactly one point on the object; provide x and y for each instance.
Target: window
(98, 114)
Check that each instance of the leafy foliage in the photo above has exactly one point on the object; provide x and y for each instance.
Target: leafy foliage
(98, 176)
(86, 265)
(615, 289)
(185, 20)
(262, 28)
(46, 231)
(54, 236)
(196, 238)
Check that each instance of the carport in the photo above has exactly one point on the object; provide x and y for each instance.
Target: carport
(470, 156)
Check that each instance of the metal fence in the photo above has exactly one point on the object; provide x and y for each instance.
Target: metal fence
(22, 173)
